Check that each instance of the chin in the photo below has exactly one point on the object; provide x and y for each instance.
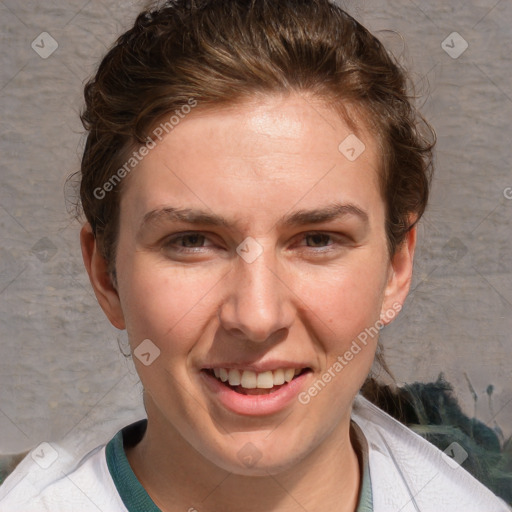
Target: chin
(249, 460)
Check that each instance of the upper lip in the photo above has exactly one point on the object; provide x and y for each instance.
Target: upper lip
(263, 366)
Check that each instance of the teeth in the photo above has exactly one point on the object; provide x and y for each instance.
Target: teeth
(234, 378)
(251, 380)
(265, 380)
(289, 373)
(278, 377)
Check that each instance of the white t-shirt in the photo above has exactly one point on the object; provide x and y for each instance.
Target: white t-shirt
(402, 472)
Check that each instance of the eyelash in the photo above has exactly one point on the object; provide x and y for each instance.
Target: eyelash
(335, 239)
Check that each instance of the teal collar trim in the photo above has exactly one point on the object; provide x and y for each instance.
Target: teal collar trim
(136, 498)
(365, 503)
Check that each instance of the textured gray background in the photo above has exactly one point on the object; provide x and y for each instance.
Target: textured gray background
(60, 365)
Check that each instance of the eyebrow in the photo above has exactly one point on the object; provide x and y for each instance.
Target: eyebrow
(326, 214)
(299, 218)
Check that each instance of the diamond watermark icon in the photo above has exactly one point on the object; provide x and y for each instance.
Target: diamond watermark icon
(44, 45)
(146, 352)
(454, 45)
(44, 249)
(454, 250)
(44, 455)
(352, 147)
(454, 455)
(249, 250)
(249, 455)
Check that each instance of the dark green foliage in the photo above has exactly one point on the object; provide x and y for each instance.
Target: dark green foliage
(432, 411)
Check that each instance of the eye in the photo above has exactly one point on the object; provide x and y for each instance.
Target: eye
(187, 241)
(190, 240)
(318, 239)
(320, 244)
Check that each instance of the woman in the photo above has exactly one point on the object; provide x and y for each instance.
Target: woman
(252, 180)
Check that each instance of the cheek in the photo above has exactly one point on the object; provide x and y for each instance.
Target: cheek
(160, 304)
(345, 314)
(343, 303)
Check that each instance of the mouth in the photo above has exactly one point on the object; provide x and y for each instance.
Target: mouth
(249, 382)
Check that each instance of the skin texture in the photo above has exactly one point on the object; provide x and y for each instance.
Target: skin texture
(304, 299)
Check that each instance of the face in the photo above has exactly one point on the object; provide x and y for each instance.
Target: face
(252, 249)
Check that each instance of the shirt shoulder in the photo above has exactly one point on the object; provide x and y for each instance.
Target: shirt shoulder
(53, 477)
(410, 474)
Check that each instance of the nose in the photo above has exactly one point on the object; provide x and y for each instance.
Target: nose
(258, 304)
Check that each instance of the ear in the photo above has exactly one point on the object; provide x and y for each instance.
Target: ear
(99, 276)
(400, 275)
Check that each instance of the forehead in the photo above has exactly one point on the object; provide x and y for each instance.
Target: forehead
(272, 150)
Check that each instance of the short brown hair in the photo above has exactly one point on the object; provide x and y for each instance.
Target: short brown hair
(223, 51)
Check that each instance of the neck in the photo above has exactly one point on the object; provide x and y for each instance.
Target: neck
(178, 478)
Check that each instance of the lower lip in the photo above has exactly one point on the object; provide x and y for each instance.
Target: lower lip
(254, 405)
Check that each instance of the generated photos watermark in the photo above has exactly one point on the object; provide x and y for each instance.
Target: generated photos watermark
(164, 128)
(343, 360)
